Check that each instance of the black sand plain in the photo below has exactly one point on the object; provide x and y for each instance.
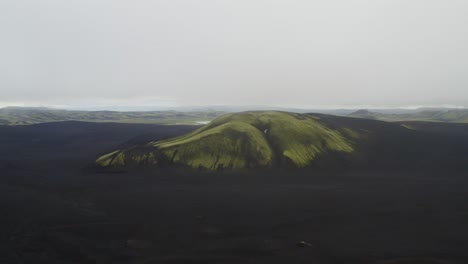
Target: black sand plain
(408, 206)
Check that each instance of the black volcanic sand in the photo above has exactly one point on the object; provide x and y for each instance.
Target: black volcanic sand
(57, 209)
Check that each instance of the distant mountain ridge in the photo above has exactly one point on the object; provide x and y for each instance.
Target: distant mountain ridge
(445, 115)
(35, 115)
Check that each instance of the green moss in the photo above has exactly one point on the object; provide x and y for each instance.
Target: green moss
(113, 159)
(119, 160)
(233, 145)
(244, 140)
(351, 133)
(106, 160)
(300, 138)
(144, 159)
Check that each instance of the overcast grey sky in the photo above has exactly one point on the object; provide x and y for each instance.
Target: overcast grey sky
(240, 52)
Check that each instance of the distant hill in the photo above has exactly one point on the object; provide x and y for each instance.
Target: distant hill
(281, 139)
(444, 115)
(36, 115)
(365, 114)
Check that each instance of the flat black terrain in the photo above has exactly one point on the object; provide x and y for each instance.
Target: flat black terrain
(57, 209)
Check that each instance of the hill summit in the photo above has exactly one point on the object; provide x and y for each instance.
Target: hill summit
(242, 140)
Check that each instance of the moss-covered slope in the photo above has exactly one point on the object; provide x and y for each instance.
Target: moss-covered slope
(243, 140)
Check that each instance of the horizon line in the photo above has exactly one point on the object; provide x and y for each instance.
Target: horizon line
(136, 108)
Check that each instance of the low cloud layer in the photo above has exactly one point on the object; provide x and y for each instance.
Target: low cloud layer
(289, 53)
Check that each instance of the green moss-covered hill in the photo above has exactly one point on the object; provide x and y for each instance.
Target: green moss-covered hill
(245, 140)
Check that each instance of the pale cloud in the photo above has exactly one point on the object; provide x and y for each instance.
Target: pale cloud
(383, 53)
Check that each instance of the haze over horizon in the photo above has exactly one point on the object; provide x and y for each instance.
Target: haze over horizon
(328, 54)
